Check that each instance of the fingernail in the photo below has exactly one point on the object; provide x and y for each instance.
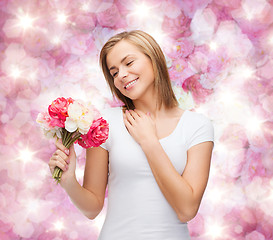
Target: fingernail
(66, 151)
(126, 111)
(148, 113)
(66, 167)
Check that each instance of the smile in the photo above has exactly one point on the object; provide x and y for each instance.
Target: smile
(130, 84)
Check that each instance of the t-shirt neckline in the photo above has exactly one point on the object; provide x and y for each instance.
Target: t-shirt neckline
(176, 127)
(164, 138)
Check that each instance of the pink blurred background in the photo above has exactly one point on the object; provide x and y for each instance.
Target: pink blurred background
(220, 58)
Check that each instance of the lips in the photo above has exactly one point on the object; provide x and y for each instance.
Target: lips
(129, 84)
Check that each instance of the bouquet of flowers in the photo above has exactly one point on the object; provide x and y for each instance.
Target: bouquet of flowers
(73, 121)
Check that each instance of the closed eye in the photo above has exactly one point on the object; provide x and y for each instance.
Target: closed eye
(115, 74)
(129, 63)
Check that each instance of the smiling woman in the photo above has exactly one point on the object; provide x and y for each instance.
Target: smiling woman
(133, 74)
(141, 47)
(156, 160)
(157, 152)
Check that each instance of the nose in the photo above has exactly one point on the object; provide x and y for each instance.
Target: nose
(123, 73)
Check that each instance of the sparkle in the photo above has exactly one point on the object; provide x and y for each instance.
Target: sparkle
(213, 46)
(142, 10)
(253, 124)
(85, 7)
(56, 40)
(59, 225)
(247, 72)
(244, 72)
(220, 147)
(62, 18)
(228, 98)
(25, 21)
(26, 155)
(15, 72)
(215, 230)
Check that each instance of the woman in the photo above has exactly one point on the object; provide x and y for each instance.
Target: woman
(156, 160)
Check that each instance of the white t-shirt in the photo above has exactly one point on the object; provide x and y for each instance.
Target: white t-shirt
(137, 209)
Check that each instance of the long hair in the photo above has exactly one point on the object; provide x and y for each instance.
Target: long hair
(151, 49)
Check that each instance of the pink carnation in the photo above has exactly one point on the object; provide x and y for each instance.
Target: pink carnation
(97, 134)
(45, 120)
(110, 17)
(58, 111)
(193, 85)
(180, 70)
(182, 48)
(176, 27)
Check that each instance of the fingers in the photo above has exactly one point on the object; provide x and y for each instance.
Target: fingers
(129, 116)
(139, 113)
(56, 160)
(61, 146)
(134, 115)
(62, 155)
(128, 125)
(59, 159)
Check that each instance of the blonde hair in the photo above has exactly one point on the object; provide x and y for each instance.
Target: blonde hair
(150, 48)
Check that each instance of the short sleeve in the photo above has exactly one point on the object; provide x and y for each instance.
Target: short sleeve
(104, 145)
(201, 131)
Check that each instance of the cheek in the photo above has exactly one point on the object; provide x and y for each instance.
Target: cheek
(117, 84)
(148, 69)
(150, 72)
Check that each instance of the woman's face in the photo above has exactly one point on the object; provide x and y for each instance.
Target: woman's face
(131, 69)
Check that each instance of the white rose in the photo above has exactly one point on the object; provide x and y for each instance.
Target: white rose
(52, 132)
(48, 134)
(71, 125)
(75, 110)
(59, 133)
(83, 126)
(85, 122)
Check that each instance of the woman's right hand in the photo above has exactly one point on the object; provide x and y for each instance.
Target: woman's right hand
(65, 159)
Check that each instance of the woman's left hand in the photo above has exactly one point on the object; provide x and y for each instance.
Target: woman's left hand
(140, 125)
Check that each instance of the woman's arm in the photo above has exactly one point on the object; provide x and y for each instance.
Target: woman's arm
(184, 193)
(89, 198)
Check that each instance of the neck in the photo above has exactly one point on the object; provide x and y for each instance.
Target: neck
(147, 106)
(152, 107)
(148, 102)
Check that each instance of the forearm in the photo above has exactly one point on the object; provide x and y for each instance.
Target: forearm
(174, 187)
(83, 199)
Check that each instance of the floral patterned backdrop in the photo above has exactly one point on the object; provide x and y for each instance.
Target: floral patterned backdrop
(220, 58)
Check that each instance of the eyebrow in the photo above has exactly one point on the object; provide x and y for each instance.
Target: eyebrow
(122, 60)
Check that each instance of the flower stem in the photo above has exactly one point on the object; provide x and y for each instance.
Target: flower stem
(77, 135)
(68, 139)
